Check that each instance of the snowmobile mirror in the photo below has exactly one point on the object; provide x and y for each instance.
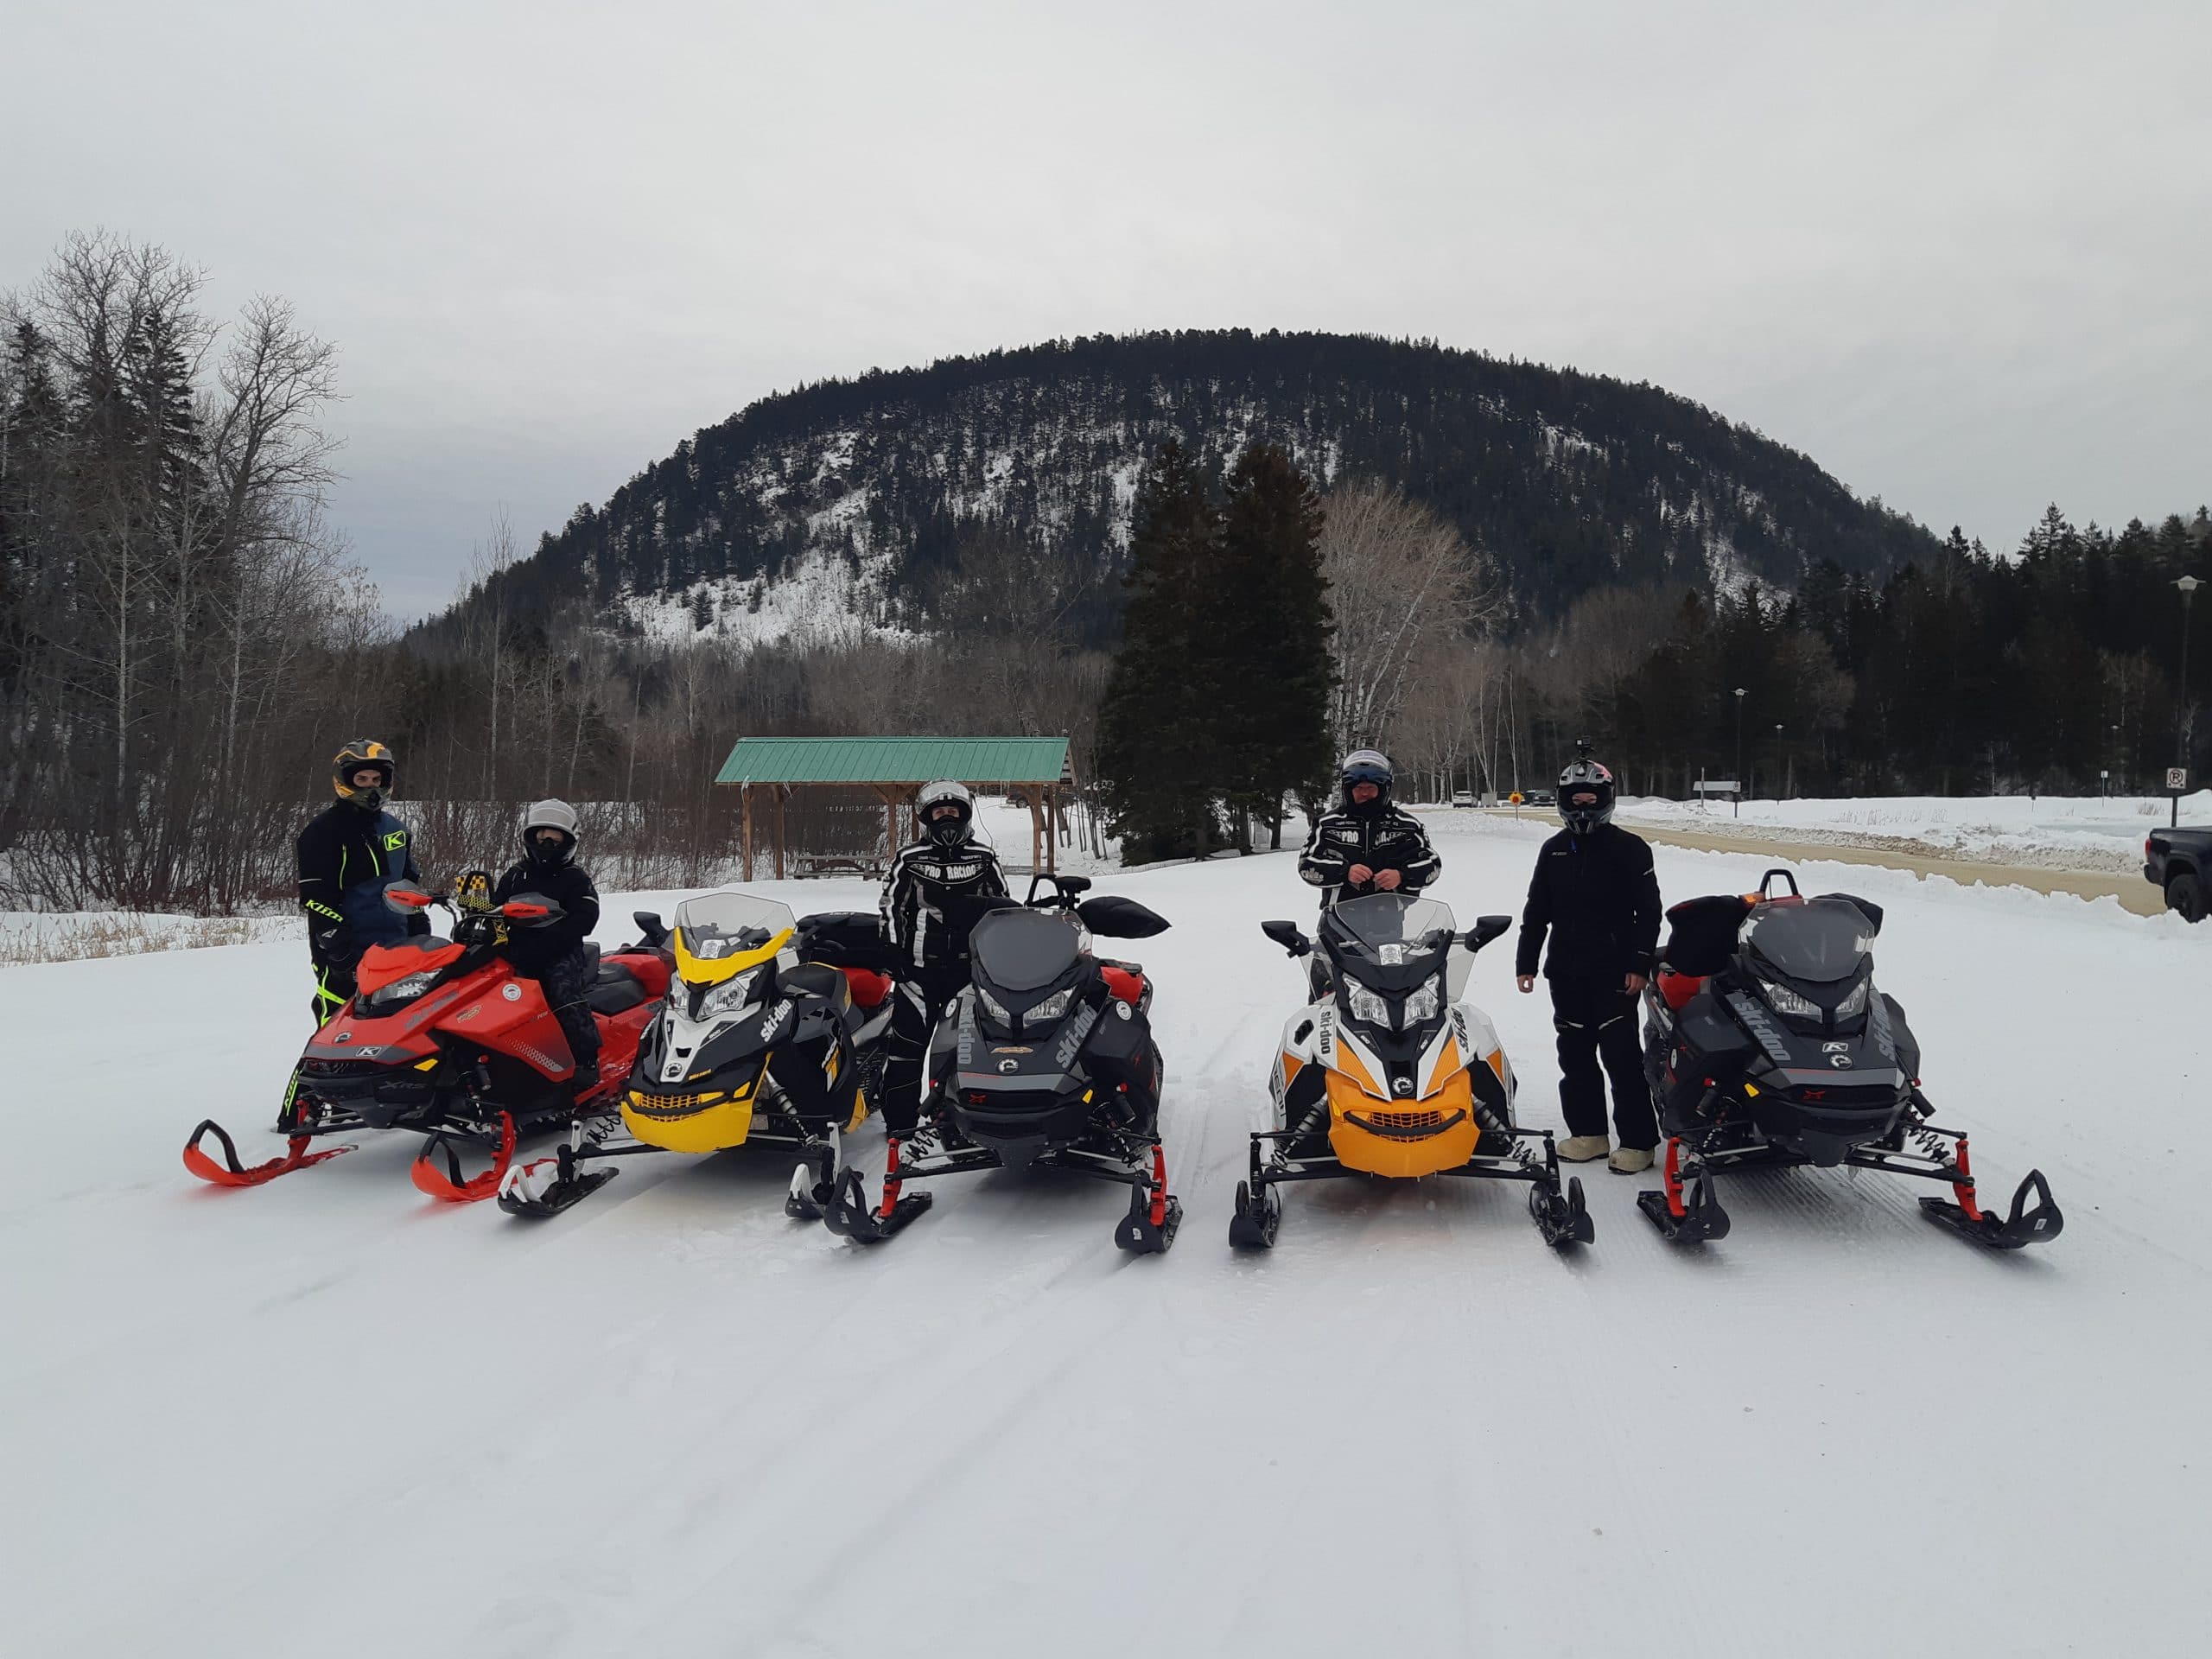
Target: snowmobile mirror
(1485, 928)
(1286, 934)
(1113, 917)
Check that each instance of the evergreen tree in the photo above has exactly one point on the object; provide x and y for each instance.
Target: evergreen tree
(1268, 650)
(1159, 759)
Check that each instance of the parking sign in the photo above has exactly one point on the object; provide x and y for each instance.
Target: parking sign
(2178, 779)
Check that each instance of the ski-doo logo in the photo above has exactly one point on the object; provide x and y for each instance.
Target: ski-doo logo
(512, 991)
(1839, 1055)
(1761, 1025)
(775, 1018)
(1009, 1067)
(1071, 1044)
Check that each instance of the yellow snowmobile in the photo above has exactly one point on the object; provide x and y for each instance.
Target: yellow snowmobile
(755, 1046)
(1389, 1074)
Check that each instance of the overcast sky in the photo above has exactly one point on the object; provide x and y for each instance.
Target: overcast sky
(1959, 254)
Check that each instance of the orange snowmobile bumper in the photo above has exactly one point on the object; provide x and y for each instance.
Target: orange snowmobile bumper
(1402, 1139)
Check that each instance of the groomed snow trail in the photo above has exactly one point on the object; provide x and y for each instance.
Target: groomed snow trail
(328, 1417)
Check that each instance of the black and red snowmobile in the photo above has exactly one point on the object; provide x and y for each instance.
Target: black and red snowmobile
(1045, 1061)
(1768, 1044)
(444, 1038)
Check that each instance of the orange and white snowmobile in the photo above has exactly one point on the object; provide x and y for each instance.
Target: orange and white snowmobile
(443, 1038)
(1389, 1074)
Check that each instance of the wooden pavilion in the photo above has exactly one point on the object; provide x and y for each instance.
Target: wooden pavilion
(765, 771)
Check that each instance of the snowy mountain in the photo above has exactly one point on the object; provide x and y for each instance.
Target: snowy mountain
(834, 507)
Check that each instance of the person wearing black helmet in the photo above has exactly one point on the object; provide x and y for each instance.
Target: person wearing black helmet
(1364, 844)
(943, 865)
(556, 954)
(1595, 897)
(348, 853)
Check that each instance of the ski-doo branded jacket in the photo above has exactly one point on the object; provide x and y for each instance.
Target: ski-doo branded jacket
(921, 879)
(348, 858)
(1379, 835)
(534, 950)
(1597, 898)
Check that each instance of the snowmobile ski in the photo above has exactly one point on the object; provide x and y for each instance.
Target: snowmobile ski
(1684, 1216)
(1155, 1215)
(1563, 1219)
(2021, 1227)
(231, 1172)
(1253, 1227)
(546, 1186)
(448, 1184)
(813, 1185)
(849, 1215)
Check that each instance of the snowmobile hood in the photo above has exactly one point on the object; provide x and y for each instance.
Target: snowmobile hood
(383, 964)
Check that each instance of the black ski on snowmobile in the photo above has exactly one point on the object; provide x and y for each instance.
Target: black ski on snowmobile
(1768, 1044)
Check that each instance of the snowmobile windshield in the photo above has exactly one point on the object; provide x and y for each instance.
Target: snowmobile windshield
(1023, 949)
(716, 926)
(1396, 940)
(1820, 941)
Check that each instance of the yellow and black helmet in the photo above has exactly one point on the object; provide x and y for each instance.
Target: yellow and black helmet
(351, 757)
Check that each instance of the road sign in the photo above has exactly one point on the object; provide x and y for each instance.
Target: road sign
(2178, 779)
(1514, 798)
(1715, 787)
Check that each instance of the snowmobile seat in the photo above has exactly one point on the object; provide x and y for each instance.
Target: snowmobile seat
(1125, 982)
(649, 968)
(616, 990)
(868, 987)
(1679, 988)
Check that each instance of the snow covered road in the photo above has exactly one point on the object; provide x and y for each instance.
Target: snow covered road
(328, 1417)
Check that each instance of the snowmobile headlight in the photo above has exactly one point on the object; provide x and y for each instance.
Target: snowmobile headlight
(1787, 1001)
(1422, 1004)
(1856, 1002)
(1365, 1005)
(400, 989)
(729, 996)
(993, 1007)
(1052, 1008)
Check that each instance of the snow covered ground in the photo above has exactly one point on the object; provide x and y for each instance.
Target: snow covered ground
(330, 1418)
(2047, 831)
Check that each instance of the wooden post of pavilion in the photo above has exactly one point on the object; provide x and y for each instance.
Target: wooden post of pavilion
(782, 793)
(744, 799)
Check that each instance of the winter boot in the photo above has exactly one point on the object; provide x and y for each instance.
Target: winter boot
(1630, 1161)
(1584, 1148)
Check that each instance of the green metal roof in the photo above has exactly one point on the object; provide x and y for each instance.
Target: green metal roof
(896, 760)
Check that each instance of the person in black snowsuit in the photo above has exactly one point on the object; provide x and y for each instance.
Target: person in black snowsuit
(947, 864)
(556, 954)
(349, 854)
(1595, 897)
(1365, 845)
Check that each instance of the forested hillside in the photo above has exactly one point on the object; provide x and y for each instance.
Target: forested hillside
(843, 504)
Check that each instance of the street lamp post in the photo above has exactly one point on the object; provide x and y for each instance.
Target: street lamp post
(2189, 585)
(1740, 752)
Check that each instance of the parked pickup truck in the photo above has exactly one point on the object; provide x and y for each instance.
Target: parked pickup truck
(2178, 862)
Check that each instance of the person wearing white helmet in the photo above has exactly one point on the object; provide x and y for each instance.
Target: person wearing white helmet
(945, 864)
(554, 954)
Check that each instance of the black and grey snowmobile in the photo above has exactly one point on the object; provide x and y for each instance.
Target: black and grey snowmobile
(1046, 1060)
(1768, 1044)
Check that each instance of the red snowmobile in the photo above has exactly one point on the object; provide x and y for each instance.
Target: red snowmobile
(444, 1038)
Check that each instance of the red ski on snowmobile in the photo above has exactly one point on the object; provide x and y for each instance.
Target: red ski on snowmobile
(444, 1038)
